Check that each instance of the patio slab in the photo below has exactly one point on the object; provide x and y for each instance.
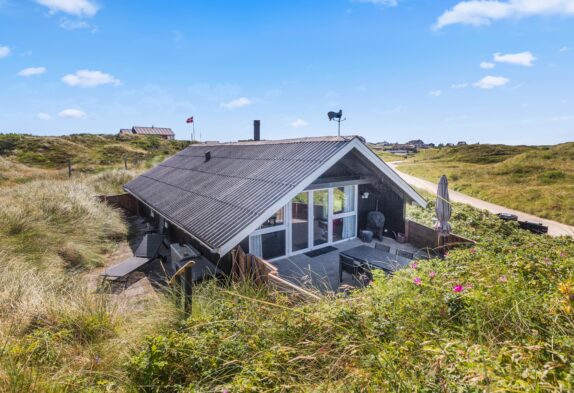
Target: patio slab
(322, 272)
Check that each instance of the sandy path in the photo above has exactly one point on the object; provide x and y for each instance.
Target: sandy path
(554, 228)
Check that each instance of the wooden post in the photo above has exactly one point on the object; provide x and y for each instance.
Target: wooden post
(125, 163)
(187, 279)
(69, 168)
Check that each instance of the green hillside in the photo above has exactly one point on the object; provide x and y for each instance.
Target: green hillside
(537, 180)
(85, 150)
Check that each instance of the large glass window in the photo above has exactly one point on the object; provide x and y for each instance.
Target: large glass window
(269, 240)
(268, 245)
(275, 220)
(343, 199)
(344, 213)
(344, 228)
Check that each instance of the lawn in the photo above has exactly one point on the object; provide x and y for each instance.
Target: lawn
(536, 180)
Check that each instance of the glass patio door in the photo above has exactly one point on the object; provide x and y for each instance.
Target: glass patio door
(300, 222)
(320, 217)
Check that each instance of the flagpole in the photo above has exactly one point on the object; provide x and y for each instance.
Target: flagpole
(193, 127)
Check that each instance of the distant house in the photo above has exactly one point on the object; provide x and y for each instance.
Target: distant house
(461, 143)
(398, 148)
(164, 133)
(419, 144)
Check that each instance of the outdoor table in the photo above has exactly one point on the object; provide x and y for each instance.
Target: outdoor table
(373, 258)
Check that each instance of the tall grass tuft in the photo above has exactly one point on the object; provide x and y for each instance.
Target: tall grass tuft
(58, 222)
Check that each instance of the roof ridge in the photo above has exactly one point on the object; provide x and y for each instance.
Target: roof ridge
(307, 139)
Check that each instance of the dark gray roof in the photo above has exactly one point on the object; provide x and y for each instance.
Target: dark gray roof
(215, 200)
(153, 131)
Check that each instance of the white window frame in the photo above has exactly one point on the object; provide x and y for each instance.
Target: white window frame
(276, 228)
(288, 228)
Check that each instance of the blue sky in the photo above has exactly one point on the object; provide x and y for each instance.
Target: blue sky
(490, 72)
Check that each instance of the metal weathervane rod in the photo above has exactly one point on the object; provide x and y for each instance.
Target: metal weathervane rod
(338, 117)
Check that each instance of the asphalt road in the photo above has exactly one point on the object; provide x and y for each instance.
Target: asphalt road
(554, 228)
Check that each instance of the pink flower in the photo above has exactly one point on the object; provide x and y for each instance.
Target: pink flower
(562, 254)
(458, 288)
(473, 250)
(417, 281)
(432, 274)
(414, 265)
(503, 278)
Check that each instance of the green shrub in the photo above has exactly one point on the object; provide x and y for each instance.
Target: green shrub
(494, 317)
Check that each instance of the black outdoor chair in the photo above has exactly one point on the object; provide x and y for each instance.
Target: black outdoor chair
(349, 265)
(382, 247)
(405, 254)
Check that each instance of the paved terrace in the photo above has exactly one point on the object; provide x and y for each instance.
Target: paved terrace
(322, 272)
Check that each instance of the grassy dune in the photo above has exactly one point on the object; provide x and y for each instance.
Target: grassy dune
(88, 152)
(536, 180)
(496, 317)
(56, 334)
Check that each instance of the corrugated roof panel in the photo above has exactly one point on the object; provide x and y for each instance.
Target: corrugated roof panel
(153, 131)
(217, 199)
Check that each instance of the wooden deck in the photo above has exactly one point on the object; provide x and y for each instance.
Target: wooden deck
(322, 272)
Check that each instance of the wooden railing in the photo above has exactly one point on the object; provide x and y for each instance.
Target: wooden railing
(123, 201)
(249, 267)
(422, 236)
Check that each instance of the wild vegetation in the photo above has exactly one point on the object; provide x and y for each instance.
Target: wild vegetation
(87, 152)
(537, 180)
(495, 317)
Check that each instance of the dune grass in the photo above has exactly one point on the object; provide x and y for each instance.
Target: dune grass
(536, 180)
(56, 333)
(496, 317)
(88, 153)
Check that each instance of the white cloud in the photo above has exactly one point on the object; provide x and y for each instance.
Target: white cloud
(43, 116)
(72, 114)
(298, 123)
(435, 93)
(490, 82)
(487, 66)
(564, 49)
(31, 71)
(523, 58)
(387, 3)
(87, 78)
(484, 12)
(237, 103)
(5, 51)
(68, 24)
(459, 85)
(82, 8)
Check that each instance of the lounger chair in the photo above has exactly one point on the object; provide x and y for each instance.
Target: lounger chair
(146, 252)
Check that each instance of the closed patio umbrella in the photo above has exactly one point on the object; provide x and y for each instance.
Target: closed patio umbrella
(443, 207)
